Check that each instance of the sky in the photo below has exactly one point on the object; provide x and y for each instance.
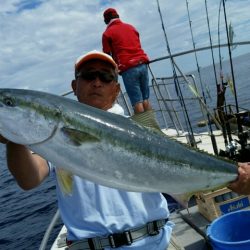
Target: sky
(41, 39)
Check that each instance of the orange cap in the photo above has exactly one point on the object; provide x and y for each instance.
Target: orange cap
(94, 54)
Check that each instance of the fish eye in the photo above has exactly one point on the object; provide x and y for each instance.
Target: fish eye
(8, 101)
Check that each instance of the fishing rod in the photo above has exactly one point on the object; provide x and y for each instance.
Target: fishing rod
(211, 44)
(219, 42)
(220, 92)
(198, 97)
(230, 56)
(232, 68)
(241, 135)
(221, 101)
(176, 81)
(67, 93)
(209, 124)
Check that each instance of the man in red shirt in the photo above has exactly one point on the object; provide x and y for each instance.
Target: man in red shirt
(122, 42)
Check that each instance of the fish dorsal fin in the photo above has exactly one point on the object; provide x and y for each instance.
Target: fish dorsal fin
(147, 119)
(77, 137)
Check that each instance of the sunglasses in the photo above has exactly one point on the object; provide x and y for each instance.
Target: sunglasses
(104, 76)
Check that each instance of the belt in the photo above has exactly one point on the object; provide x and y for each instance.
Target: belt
(118, 239)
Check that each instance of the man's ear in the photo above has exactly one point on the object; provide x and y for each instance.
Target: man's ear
(118, 89)
(73, 85)
(116, 92)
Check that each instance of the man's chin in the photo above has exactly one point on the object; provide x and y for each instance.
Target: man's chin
(97, 103)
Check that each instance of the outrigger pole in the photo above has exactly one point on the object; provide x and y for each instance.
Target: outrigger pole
(241, 135)
(232, 69)
(209, 125)
(221, 101)
(177, 84)
(230, 56)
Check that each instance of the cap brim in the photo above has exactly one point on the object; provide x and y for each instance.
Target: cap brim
(92, 56)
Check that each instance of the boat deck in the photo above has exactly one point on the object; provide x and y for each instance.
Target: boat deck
(190, 230)
(203, 140)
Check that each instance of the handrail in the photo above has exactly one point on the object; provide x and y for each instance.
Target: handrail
(49, 230)
(198, 49)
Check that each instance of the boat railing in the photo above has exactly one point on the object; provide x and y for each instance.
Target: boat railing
(49, 230)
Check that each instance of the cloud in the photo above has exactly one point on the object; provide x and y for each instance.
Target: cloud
(41, 39)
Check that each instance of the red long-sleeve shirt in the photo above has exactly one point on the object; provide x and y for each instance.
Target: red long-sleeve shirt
(122, 41)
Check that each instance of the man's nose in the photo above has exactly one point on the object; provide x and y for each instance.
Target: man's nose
(97, 81)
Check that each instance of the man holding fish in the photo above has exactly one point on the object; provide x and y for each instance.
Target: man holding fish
(96, 216)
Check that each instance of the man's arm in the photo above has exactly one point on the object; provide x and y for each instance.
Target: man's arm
(242, 184)
(106, 48)
(28, 169)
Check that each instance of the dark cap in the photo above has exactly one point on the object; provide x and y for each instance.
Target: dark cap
(109, 14)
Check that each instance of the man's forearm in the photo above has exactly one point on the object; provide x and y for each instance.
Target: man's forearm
(28, 169)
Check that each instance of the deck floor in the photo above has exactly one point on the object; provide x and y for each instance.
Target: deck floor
(190, 230)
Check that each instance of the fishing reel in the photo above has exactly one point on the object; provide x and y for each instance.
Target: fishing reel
(231, 151)
(237, 150)
(232, 148)
(244, 152)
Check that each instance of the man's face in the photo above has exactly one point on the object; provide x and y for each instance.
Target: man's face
(95, 85)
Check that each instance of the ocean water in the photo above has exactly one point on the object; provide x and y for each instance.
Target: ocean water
(25, 215)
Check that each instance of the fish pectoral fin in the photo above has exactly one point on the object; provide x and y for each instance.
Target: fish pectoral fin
(77, 137)
(147, 119)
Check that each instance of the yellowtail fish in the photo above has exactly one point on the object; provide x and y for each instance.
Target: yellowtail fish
(106, 148)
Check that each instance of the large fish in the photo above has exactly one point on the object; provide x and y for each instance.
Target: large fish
(106, 148)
